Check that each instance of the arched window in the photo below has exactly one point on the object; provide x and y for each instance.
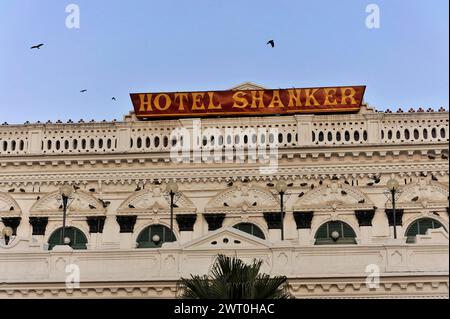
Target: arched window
(420, 227)
(77, 239)
(251, 229)
(154, 236)
(335, 232)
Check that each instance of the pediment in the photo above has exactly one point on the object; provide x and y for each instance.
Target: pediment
(247, 86)
(422, 194)
(154, 200)
(334, 196)
(8, 206)
(243, 198)
(81, 203)
(227, 238)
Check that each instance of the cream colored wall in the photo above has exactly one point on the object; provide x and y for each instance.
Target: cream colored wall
(116, 172)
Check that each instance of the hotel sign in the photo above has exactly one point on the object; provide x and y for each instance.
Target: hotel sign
(248, 102)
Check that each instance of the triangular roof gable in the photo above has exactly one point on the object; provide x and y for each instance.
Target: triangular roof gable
(227, 238)
(247, 86)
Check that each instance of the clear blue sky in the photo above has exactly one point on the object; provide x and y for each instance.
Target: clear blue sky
(141, 45)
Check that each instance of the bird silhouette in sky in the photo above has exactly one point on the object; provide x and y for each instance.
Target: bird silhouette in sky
(272, 43)
(113, 98)
(82, 91)
(37, 46)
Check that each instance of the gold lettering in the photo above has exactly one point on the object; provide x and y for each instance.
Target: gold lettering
(146, 104)
(294, 96)
(330, 96)
(276, 100)
(181, 97)
(257, 98)
(239, 96)
(197, 101)
(211, 105)
(310, 97)
(350, 96)
(167, 102)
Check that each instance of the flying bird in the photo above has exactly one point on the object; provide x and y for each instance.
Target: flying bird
(37, 46)
(113, 98)
(272, 43)
(82, 91)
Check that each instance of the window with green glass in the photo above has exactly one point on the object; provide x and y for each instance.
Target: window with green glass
(251, 229)
(77, 238)
(335, 233)
(420, 227)
(154, 236)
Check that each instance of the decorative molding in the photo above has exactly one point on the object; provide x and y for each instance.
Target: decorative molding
(152, 200)
(12, 222)
(303, 219)
(8, 206)
(214, 221)
(96, 224)
(398, 216)
(273, 220)
(126, 223)
(243, 198)
(39, 225)
(334, 196)
(365, 217)
(82, 204)
(186, 221)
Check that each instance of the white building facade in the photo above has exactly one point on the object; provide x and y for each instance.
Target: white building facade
(338, 226)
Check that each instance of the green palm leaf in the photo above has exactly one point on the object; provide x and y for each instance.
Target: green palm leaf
(231, 278)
